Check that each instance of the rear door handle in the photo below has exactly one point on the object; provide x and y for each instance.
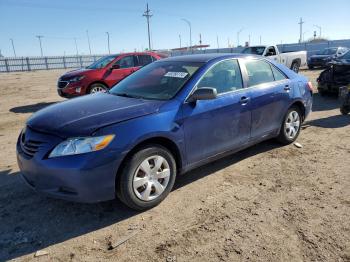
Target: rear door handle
(287, 88)
(244, 100)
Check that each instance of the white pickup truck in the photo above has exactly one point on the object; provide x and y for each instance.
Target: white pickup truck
(293, 60)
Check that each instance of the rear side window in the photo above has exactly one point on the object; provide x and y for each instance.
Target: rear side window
(225, 76)
(259, 72)
(278, 74)
(144, 60)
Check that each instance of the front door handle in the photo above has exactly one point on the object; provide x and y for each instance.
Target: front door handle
(244, 100)
(287, 88)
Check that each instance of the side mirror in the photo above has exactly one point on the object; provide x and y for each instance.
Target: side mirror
(115, 66)
(203, 93)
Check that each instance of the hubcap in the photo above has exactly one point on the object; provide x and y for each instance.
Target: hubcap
(151, 178)
(295, 68)
(292, 124)
(97, 89)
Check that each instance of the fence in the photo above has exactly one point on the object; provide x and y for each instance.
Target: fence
(311, 48)
(13, 64)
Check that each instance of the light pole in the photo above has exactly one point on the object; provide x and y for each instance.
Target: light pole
(109, 49)
(189, 24)
(217, 41)
(180, 40)
(320, 29)
(304, 35)
(238, 33)
(13, 47)
(41, 48)
(76, 45)
(88, 38)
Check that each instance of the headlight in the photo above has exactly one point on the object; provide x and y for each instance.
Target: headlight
(76, 79)
(80, 145)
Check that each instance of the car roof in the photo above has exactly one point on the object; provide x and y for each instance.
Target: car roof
(204, 57)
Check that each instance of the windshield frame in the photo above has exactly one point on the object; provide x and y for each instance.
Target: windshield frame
(113, 57)
(178, 90)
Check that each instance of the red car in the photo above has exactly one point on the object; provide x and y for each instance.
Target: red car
(103, 74)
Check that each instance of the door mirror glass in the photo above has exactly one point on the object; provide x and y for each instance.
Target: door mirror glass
(203, 93)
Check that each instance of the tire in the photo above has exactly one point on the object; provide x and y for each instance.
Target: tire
(344, 110)
(295, 66)
(97, 88)
(285, 136)
(140, 190)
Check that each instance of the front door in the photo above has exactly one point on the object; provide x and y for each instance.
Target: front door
(214, 126)
(126, 66)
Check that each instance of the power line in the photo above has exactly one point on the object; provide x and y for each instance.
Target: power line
(148, 15)
(41, 48)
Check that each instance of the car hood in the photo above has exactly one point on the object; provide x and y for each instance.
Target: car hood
(76, 72)
(82, 116)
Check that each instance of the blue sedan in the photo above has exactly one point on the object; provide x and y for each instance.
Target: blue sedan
(167, 118)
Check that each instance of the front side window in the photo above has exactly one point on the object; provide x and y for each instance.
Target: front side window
(224, 76)
(271, 51)
(126, 62)
(102, 62)
(159, 80)
(144, 60)
(259, 72)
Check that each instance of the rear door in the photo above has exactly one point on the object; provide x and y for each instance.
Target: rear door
(221, 124)
(270, 94)
(127, 65)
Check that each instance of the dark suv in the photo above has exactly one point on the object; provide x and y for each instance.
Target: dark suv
(103, 74)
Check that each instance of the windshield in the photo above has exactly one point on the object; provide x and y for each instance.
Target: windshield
(346, 55)
(102, 62)
(254, 50)
(328, 51)
(160, 80)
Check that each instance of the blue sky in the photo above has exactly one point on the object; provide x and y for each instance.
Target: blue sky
(60, 21)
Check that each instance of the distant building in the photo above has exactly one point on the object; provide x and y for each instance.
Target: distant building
(194, 47)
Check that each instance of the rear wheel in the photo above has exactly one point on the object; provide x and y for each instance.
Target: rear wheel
(290, 128)
(295, 66)
(147, 178)
(97, 88)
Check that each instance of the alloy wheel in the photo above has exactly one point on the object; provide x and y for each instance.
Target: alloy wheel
(151, 178)
(292, 124)
(97, 89)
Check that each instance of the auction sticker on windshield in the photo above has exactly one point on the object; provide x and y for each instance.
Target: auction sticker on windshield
(176, 74)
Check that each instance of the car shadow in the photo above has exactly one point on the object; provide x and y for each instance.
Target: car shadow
(30, 108)
(324, 103)
(30, 222)
(336, 121)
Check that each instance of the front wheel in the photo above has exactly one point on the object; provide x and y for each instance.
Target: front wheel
(97, 88)
(290, 128)
(147, 178)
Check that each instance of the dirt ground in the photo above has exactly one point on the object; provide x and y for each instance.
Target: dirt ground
(266, 203)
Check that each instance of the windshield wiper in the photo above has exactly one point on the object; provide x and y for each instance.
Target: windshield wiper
(128, 95)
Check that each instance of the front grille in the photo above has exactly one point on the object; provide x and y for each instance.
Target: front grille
(62, 84)
(29, 147)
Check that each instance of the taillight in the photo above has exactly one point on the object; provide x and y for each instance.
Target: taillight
(310, 87)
